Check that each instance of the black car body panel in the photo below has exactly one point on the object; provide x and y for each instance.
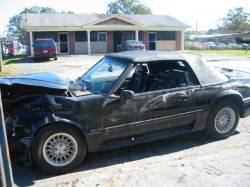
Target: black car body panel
(109, 120)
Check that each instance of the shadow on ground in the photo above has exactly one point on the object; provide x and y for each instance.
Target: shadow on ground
(25, 60)
(25, 176)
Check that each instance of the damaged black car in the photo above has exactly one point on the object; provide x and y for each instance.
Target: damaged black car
(127, 98)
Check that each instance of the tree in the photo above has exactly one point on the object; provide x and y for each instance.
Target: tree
(128, 7)
(14, 29)
(237, 20)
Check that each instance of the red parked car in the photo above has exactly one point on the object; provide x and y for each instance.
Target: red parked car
(45, 48)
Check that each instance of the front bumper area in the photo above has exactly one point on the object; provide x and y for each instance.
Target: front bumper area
(47, 55)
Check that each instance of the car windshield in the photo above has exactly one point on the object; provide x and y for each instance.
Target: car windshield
(44, 44)
(101, 78)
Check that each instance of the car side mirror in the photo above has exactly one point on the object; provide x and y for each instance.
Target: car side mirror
(127, 94)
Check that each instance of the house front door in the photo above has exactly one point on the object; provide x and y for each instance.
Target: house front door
(152, 40)
(63, 43)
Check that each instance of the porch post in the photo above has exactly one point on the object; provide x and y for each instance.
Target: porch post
(31, 44)
(136, 35)
(182, 40)
(89, 46)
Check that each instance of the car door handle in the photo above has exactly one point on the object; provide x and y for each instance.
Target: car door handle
(183, 97)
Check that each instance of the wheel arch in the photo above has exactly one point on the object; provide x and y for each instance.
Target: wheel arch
(62, 122)
(231, 95)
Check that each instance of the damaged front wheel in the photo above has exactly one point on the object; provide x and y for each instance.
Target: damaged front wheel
(58, 148)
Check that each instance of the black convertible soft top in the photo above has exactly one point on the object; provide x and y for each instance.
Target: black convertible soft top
(206, 74)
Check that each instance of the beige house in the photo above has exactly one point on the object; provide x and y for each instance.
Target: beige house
(101, 33)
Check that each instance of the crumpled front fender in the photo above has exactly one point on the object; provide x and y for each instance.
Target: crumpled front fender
(48, 110)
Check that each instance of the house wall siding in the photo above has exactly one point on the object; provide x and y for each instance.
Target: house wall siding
(81, 48)
(98, 47)
(166, 45)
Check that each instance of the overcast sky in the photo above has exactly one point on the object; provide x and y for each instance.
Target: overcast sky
(205, 12)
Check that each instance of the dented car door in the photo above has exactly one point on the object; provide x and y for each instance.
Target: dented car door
(164, 109)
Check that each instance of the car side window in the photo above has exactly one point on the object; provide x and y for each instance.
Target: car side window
(160, 75)
(170, 74)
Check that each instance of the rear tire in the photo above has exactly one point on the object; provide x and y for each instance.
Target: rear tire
(58, 149)
(55, 58)
(222, 120)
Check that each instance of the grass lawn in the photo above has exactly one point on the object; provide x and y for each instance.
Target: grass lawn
(8, 71)
(222, 52)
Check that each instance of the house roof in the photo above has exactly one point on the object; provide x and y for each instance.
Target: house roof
(81, 20)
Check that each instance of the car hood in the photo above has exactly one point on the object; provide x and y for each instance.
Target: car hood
(233, 73)
(47, 80)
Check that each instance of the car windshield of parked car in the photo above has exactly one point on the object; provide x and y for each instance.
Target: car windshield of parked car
(44, 44)
(101, 78)
(134, 42)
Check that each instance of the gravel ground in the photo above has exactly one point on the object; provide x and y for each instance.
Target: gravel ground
(75, 65)
(187, 160)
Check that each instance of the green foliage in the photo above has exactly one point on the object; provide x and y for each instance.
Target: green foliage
(237, 20)
(8, 71)
(14, 29)
(128, 7)
(223, 52)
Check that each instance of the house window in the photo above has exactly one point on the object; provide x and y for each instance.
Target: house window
(141, 36)
(94, 36)
(98, 36)
(166, 35)
(102, 36)
(81, 36)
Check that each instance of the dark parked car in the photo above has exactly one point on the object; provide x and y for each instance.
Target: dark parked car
(130, 45)
(45, 48)
(126, 98)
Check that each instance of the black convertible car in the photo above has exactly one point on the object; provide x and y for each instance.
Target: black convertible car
(126, 98)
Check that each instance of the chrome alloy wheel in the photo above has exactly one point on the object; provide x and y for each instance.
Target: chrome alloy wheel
(224, 120)
(60, 149)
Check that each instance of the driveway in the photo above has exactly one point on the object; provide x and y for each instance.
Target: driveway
(190, 160)
(187, 160)
(75, 65)
(70, 65)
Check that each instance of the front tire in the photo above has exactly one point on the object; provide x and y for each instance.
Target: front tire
(222, 120)
(58, 149)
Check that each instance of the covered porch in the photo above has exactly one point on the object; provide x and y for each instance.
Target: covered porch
(104, 35)
(103, 41)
